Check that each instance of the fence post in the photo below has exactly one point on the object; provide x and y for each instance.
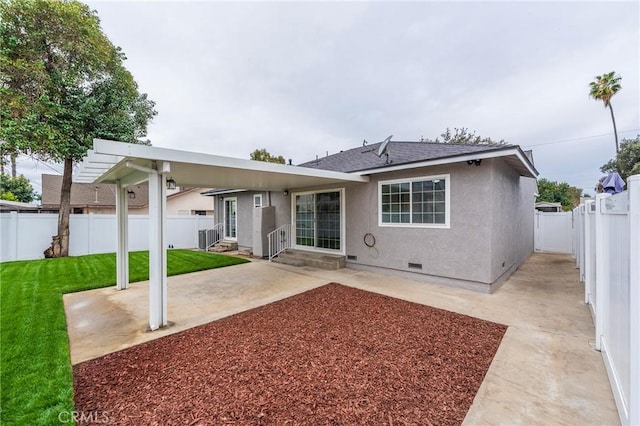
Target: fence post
(196, 231)
(89, 237)
(582, 241)
(536, 234)
(633, 186)
(13, 238)
(588, 255)
(602, 267)
(572, 233)
(575, 235)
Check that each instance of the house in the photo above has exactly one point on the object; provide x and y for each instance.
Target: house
(548, 207)
(17, 206)
(444, 213)
(188, 201)
(100, 198)
(456, 214)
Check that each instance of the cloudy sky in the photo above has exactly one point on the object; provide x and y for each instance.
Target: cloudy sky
(304, 79)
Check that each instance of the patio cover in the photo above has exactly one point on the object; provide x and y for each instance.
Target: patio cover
(125, 164)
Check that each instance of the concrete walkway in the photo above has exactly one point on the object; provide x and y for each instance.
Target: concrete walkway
(546, 370)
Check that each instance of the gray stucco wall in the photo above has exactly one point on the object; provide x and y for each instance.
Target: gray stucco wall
(460, 253)
(512, 216)
(491, 223)
(281, 202)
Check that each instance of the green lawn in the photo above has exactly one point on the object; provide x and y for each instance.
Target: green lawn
(35, 368)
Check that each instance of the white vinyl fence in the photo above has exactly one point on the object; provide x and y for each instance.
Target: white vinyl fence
(608, 255)
(554, 232)
(25, 236)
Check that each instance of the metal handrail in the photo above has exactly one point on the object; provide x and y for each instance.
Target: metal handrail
(213, 235)
(279, 240)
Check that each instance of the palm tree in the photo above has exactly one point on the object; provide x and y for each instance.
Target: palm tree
(602, 89)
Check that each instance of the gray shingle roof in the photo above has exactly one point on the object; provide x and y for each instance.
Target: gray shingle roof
(366, 158)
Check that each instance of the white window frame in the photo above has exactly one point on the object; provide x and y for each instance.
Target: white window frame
(447, 201)
(259, 203)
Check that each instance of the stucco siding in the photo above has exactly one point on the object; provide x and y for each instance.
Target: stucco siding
(490, 229)
(282, 204)
(245, 212)
(512, 219)
(461, 252)
(245, 220)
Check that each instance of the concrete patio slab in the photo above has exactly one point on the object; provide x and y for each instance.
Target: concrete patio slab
(546, 370)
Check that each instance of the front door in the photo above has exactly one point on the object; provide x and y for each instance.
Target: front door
(318, 220)
(230, 218)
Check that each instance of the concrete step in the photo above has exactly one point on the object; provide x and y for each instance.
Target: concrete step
(288, 260)
(306, 258)
(223, 246)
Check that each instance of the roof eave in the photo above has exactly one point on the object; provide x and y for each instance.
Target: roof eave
(121, 154)
(529, 169)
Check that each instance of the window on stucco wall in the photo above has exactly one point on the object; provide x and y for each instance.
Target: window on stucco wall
(415, 202)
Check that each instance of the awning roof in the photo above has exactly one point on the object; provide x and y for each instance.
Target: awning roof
(110, 161)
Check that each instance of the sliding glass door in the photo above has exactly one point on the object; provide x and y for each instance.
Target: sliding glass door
(318, 220)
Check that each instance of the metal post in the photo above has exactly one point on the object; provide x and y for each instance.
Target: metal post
(164, 243)
(157, 251)
(122, 251)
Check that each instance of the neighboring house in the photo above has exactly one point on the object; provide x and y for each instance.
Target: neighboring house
(17, 206)
(445, 213)
(545, 206)
(189, 201)
(101, 199)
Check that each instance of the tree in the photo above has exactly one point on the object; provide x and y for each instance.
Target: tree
(12, 156)
(627, 161)
(16, 189)
(602, 89)
(63, 83)
(263, 155)
(462, 136)
(563, 193)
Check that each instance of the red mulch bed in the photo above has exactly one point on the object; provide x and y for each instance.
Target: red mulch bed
(332, 355)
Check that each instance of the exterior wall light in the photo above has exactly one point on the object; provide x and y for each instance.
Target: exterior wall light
(472, 162)
(131, 194)
(171, 184)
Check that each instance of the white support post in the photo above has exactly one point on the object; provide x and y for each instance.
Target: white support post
(122, 224)
(602, 268)
(633, 185)
(164, 243)
(157, 251)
